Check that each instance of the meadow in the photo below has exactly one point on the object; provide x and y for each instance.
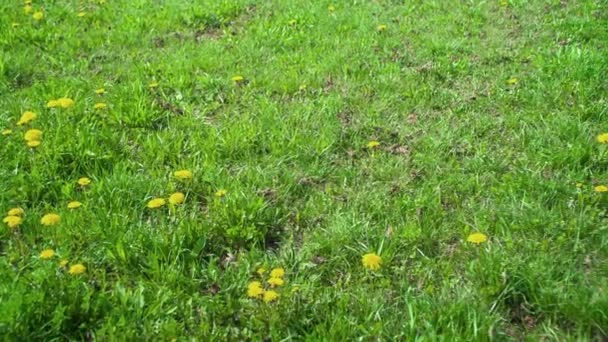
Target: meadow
(304, 170)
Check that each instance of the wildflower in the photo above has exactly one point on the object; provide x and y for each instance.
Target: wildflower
(47, 254)
(81, 14)
(153, 85)
(331, 8)
(156, 203)
(255, 290)
(602, 138)
(50, 219)
(238, 78)
(504, 3)
(601, 188)
(278, 272)
(512, 81)
(276, 282)
(16, 212)
(32, 135)
(477, 238)
(221, 193)
(381, 28)
(26, 118)
(270, 296)
(177, 198)
(373, 144)
(38, 15)
(63, 263)
(371, 261)
(84, 181)
(52, 104)
(65, 102)
(293, 22)
(28, 9)
(77, 269)
(261, 271)
(579, 185)
(34, 143)
(183, 174)
(100, 105)
(302, 87)
(100, 91)
(7, 132)
(74, 205)
(12, 221)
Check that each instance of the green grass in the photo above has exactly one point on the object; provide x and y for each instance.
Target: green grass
(461, 151)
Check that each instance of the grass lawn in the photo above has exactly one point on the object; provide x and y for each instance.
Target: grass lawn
(457, 145)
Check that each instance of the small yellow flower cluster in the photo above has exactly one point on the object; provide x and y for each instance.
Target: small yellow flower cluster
(33, 137)
(373, 144)
(477, 238)
(14, 217)
(28, 9)
(371, 261)
(176, 197)
(256, 290)
(64, 102)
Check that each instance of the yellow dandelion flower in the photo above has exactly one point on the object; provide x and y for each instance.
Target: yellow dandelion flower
(504, 3)
(276, 282)
(177, 198)
(302, 87)
(63, 263)
(183, 174)
(100, 105)
(77, 269)
(74, 205)
(7, 132)
(221, 193)
(16, 212)
(100, 91)
(65, 102)
(81, 14)
(261, 271)
(47, 254)
(156, 203)
(512, 81)
(477, 238)
(293, 22)
(255, 290)
(50, 219)
(38, 15)
(28, 9)
(34, 143)
(26, 118)
(84, 181)
(12, 221)
(270, 296)
(52, 104)
(373, 144)
(371, 261)
(278, 272)
(381, 28)
(32, 134)
(579, 185)
(601, 188)
(237, 78)
(602, 138)
(331, 8)
(153, 85)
